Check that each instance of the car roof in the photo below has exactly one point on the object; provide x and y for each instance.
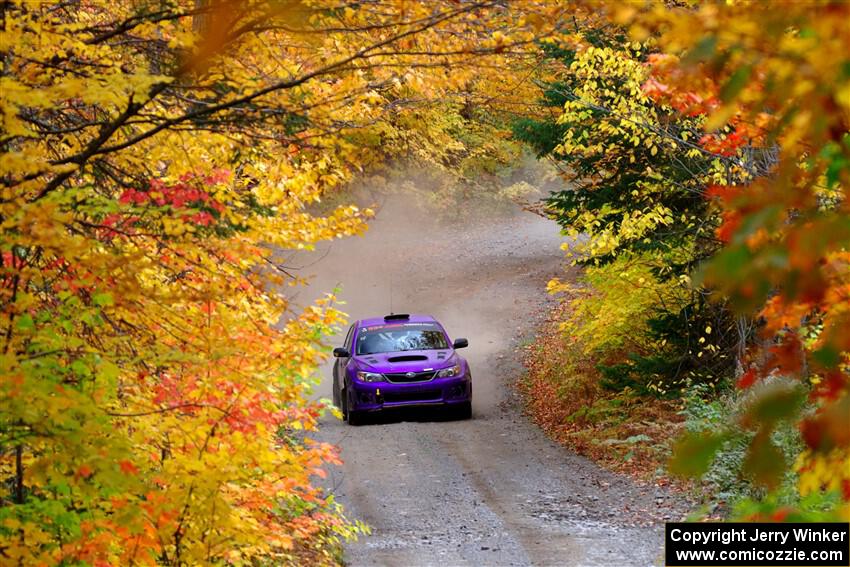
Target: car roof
(413, 318)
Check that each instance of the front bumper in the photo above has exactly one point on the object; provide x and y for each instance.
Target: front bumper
(375, 396)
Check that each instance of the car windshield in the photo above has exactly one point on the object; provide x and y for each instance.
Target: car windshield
(400, 337)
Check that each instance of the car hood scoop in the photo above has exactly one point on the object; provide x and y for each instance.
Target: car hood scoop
(406, 358)
(411, 361)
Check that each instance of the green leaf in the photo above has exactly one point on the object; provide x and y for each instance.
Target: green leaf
(730, 261)
(736, 83)
(25, 323)
(80, 368)
(102, 299)
(109, 371)
(827, 356)
(765, 463)
(694, 452)
(779, 404)
(703, 50)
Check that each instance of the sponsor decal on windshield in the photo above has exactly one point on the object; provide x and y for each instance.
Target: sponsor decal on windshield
(425, 326)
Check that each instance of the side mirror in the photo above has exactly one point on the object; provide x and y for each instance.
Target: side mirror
(340, 352)
(460, 343)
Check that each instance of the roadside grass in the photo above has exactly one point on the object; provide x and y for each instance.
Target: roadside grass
(622, 431)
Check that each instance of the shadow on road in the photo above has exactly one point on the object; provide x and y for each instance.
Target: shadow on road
(411, 414)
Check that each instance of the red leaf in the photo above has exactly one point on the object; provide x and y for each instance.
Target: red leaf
(832, 385)
(747, 379)
(128, 467)
(812, 434)
(731, 221)
(788, 355)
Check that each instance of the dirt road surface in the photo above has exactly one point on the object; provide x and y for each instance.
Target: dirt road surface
(492, 490)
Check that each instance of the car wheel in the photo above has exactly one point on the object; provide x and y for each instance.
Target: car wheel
(464, 410)
(356, 418)
(352, 417)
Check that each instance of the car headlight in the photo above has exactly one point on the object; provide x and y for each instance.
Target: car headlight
(449, 372)
(370, 377)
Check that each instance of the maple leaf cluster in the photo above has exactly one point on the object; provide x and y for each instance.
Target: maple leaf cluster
(159, 160)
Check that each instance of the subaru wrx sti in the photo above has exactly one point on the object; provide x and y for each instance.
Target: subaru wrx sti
(398, 361)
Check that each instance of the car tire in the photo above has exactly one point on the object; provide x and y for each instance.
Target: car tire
(335, 392)
(356, 418)
(464, 411)
(350, 417)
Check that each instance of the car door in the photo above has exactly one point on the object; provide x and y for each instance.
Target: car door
(339, 367)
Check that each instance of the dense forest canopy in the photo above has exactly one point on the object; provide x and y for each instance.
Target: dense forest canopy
(154, 394)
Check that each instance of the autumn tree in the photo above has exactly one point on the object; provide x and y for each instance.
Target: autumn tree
(767, 89)
(781, 85)
(154, 396)
(636, 211)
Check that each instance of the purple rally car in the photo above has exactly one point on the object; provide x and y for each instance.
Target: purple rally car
(396, 361)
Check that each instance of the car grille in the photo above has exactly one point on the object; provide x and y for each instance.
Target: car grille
(404, 378)
(424, 396)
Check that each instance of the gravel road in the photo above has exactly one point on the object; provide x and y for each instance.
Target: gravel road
(493, 490)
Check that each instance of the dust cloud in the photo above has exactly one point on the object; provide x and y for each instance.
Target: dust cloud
(464, 264)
